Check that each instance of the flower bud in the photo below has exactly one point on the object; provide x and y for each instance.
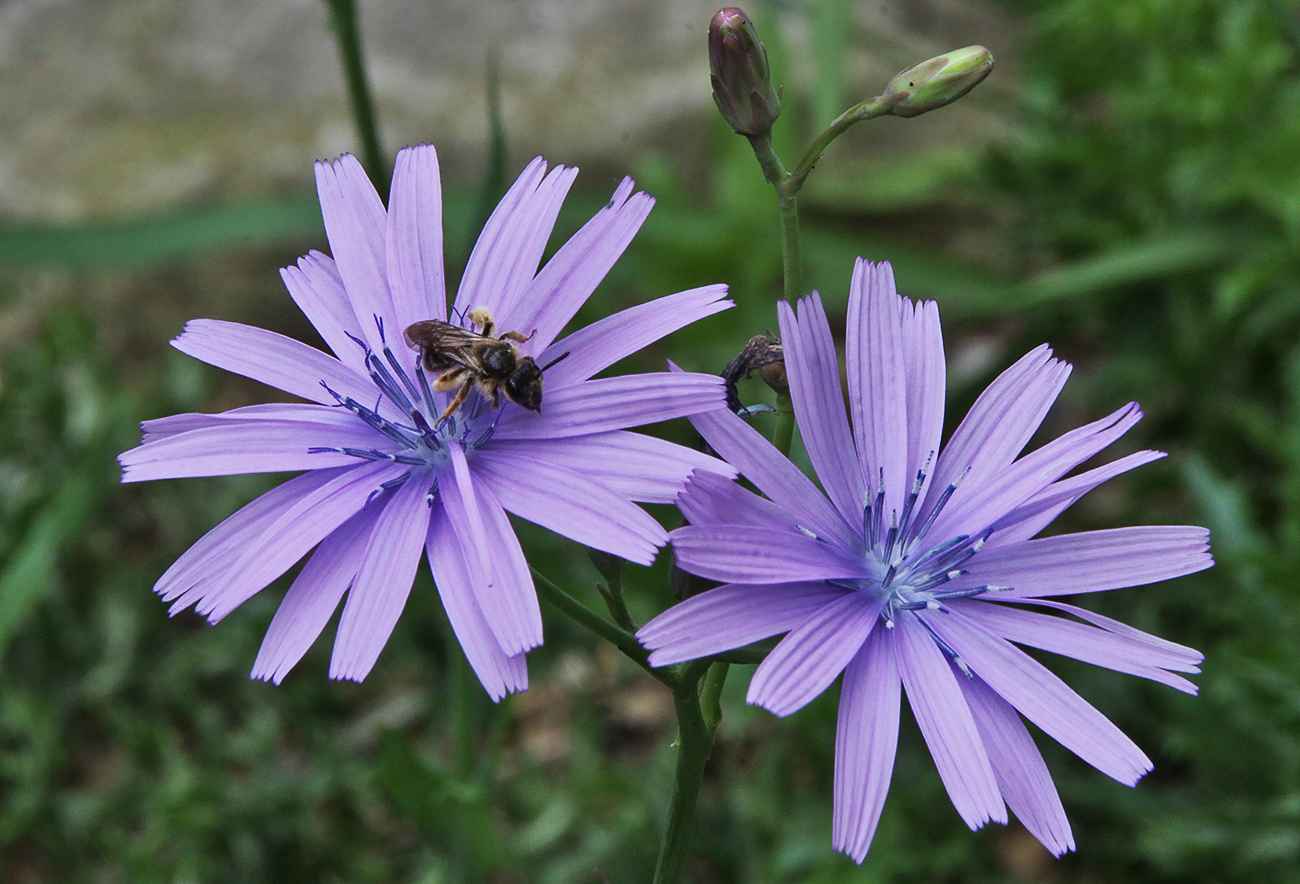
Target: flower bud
(742, 86)
(939, 81)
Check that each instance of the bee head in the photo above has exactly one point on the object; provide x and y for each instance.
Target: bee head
(524, 386)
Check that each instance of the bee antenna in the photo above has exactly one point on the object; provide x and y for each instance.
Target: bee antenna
(559, 358)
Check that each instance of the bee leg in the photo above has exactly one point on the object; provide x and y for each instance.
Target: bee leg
(516, 336)
(450, 379)
(482, 317)
(455, 403)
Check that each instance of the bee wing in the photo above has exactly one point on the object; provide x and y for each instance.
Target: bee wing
(445, 345)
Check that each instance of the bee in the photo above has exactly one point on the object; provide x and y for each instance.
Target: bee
(484, 360)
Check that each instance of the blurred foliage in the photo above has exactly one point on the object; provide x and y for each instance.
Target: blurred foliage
(1141, 213)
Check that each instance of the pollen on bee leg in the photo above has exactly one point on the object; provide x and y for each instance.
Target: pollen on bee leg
(482, 317)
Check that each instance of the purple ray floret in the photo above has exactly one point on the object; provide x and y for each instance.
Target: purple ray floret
(386, 478)
(918, 570)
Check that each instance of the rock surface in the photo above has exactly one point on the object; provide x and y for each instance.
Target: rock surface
(129, 106)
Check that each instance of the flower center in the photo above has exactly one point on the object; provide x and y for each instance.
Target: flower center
(422, 441)
(908, 573)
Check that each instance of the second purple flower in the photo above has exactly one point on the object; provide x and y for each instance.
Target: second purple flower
(918, 570)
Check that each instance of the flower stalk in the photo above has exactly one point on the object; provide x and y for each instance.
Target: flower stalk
(343, 21)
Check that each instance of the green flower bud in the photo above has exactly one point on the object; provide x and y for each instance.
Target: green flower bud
(742, 86)
(939, 81)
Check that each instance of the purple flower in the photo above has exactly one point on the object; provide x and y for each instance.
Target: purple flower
(385, 479)
(919, 570)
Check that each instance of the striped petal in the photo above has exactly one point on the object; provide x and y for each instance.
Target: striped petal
(355, 222)
(1087, 643)
(281, 362)
(572, 505)
(772, 473)
(731, 616)
(595, 347)
(574, 271)
(313, 597)
(1001, 422)
(414, 239)
(947, 724)
(805, 662)
(631, 465)
(1018, 766)
(878, 387)
(1042, 697)
(760, 555)
(499, 672)
(247, 444)
(1092, 561)
(814, 374)
(508, 251)
(501, 583)
(316, 287)
(384, 577)
(617, 403)
(866, 741)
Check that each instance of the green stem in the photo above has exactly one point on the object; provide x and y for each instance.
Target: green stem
(875, 107)
(783, 434)
(611, 568)
(694, 743)
(343, 19)
(788, 205)
(615, 635)
(711, 694)
(791, 262)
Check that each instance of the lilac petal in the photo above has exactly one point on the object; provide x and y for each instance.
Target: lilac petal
(570, 504)
(730, 617)
(712, 500)
(1021, 773)
(632, 465)
(595, 347)
(1001, 421)
(414, 239)
(157, 429)
(383, 581)
(281, 362)
(272, 544)
(505, 258)
(761, 555)
(878, 388)
(1042, 697)
(1091, 561)
(866, 741)
(814, 374)
(574, 271)
(805, 662)
(1087, 643)
(500, 673)
(313, 597)
(947, 725)
(1040, 510)
(355, 221)
(253, 445)
(772, 473)
(1189, 658)
(616, 403)
(976, 505)
(215, 551)
(507, 598)
(926, 374)
(317, 289)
